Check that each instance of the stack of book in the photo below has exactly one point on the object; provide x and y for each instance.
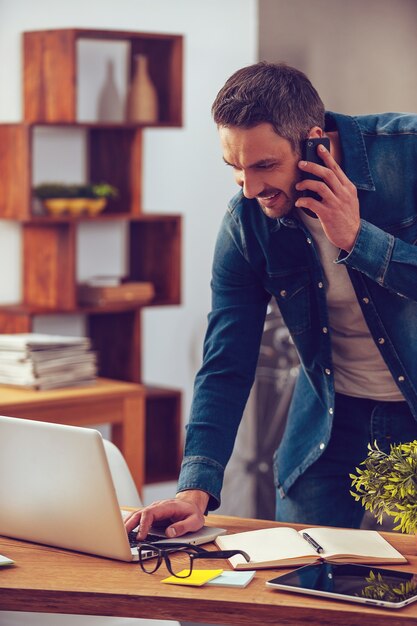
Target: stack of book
(39, 361)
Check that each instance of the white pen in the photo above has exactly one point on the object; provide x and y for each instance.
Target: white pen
(313, 543)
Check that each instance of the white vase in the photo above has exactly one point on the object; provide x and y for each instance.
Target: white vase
(142, 98)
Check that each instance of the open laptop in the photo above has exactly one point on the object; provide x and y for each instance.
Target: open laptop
(56, 489)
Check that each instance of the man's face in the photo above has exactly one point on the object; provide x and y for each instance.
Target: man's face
(264, 165)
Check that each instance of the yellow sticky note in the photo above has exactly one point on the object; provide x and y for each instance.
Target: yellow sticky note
(197, 579)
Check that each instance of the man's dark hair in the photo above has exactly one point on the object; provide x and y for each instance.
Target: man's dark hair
(274, 93)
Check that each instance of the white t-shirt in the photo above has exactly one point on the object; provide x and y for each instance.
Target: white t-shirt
(359, 369)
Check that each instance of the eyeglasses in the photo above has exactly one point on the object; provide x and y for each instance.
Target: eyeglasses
(184, 567)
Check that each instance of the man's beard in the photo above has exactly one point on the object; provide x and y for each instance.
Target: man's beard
(277, 202)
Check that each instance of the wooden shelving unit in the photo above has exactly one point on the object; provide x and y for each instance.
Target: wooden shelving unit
(50, 72)
(114, 153)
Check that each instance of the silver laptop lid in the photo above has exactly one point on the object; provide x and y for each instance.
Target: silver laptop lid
(56, 488)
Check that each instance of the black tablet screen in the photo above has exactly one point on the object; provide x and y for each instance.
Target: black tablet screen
(357, 581)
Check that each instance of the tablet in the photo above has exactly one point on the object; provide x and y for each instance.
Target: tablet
(355, 583)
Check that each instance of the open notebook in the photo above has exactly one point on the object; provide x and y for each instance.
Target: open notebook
(286, 547)
(56, 488)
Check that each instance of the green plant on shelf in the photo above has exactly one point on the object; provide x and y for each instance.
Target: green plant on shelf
(45, 191)
(60, 199)
(387, 484)
(103, 190)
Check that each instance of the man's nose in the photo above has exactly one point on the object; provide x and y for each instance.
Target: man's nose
(251, 185)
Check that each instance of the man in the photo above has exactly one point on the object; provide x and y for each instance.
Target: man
(346, 285)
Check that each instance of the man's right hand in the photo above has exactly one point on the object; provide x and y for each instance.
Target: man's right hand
(184, 514)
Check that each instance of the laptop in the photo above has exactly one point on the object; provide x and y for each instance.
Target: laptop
(56, 489)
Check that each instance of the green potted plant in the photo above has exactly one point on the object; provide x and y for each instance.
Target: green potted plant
(59, 198)
(103, 190)
(387, 484)
(95, 196)
(55, 190)
(100, 194)
(55, 197)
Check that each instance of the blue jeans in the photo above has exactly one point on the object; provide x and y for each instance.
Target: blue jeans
(321, 495)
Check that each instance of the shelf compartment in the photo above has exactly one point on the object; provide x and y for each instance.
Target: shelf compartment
(117, 340)
(115, 333)
(114, 155)
(49, 266)
(50, 71)
(163, 434)
(155, 255)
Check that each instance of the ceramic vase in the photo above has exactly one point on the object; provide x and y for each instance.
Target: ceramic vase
(142, 98)
(110, 104)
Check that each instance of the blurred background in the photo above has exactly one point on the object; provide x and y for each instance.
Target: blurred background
(360, 55)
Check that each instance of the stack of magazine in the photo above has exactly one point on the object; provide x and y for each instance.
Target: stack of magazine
(39, 361)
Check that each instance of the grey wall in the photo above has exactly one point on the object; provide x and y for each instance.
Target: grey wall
(360, 54)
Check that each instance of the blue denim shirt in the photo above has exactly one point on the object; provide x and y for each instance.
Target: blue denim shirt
(257, 258)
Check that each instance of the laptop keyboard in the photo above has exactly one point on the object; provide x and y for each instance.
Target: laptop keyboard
(150, 538)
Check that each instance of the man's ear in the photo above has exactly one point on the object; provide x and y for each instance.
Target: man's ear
(315, 132)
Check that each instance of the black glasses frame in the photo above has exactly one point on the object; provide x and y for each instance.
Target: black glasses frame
(162, 552)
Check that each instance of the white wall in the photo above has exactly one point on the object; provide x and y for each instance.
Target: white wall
(360, 54)
(183, 171)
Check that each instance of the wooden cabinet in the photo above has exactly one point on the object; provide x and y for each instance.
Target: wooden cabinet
(114, 153)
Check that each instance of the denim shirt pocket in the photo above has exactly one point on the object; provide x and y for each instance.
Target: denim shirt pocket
(292, 293)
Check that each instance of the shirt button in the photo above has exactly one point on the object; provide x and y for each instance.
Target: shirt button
(308, 240)
(366, 300)
(320, 285)
(325, 329)
(327, 371)
(263, 467)
(401, 379)
(381, 340)
(322, 446)
(283, 293)
(331, 411)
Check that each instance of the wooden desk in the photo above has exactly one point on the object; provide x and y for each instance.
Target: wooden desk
(118, 403)
(58, 581)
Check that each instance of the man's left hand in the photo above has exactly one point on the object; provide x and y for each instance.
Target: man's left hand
(339, 209)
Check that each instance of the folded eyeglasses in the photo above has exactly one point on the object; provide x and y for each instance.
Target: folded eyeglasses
(184, 566)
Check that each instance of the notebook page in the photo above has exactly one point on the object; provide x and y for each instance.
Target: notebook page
(267, 544)
(339, 541)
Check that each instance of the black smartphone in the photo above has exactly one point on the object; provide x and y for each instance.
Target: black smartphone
(309, 153)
